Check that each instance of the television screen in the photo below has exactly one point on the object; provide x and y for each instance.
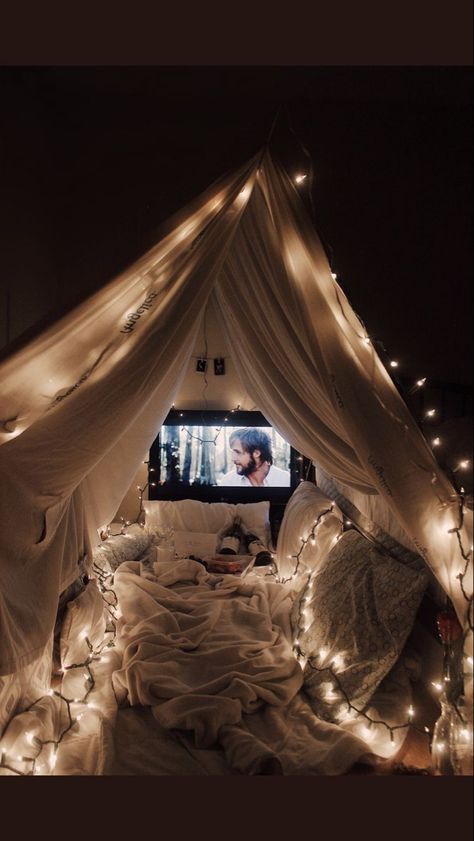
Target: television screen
(223, 455)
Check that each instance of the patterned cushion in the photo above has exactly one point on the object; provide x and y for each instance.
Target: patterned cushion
(362, 606)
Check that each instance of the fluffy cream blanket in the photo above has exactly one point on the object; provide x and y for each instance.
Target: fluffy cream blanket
(204, 651)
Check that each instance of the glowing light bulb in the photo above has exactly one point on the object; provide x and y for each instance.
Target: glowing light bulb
(436, 685)
(436, 442)
(367, 340)
(421, 382)
(411, 712)
(430, 413)
(334, 275)
(345, 714)
(394, 363)
(463, 465)
(300, 178)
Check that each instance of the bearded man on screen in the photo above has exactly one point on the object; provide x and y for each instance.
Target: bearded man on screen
(253, 461)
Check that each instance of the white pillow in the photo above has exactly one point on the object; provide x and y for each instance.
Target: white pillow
(255, 518)
(189, 515)
(306, 504)
(212, 517)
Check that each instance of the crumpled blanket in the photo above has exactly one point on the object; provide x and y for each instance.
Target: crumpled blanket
(202, 649)
(205, 652)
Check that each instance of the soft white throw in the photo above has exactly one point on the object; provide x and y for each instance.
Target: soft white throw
(204, 651)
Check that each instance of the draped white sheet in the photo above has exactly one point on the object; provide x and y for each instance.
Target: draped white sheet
(82, 402)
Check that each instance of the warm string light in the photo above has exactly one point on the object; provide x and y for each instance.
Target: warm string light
(430, 414)
(334, 691)
(106, 532)
(467, 557)
(110, 599)
(305, 540)
(462, 465)
(204, 440)
(418, 384)
(337, 661)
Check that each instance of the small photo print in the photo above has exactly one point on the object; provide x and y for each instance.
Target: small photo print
(201, 366)
(219, 367)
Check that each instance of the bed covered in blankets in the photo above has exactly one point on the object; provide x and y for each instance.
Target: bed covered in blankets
(209, 680)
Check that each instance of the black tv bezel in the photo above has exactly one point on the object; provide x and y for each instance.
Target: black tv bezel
(218, 493)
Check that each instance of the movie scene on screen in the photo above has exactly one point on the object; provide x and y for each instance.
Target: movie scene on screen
(227, 456)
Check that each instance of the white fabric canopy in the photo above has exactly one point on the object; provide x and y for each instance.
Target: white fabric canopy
(83, 402)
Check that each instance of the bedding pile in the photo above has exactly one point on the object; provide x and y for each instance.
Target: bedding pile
(211, 656)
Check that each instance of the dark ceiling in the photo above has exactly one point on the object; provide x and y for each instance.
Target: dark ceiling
(95, 159)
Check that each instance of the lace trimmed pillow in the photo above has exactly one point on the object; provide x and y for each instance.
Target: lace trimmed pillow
(360, 609)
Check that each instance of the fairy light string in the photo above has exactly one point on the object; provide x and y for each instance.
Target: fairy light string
(104, 581)
(467, 557)
(392, 728)
(311, 538)
(312, 661)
